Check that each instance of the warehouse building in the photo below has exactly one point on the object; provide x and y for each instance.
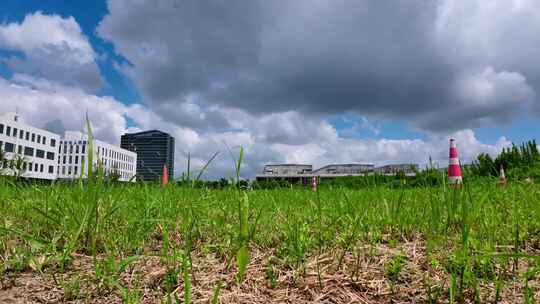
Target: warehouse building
(343, 170)
(295, 173)
(287, 169)
(35, 148)
(393, 169)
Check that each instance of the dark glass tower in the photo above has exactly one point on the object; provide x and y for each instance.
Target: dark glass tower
(154, 150)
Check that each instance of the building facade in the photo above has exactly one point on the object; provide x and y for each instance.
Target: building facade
(35, 148)
(294, 173)
(344, 170)
(155, 149)
(393, 169)
(287, 169)
(73, 160)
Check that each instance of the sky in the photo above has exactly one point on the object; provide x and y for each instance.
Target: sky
(304, 81)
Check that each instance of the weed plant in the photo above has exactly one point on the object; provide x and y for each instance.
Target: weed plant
(476, 234)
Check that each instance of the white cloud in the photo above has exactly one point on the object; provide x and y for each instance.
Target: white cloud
(483, 32)
(54, 48)
(488, 89)
(40, 101)
(167, 64)
(409, 60)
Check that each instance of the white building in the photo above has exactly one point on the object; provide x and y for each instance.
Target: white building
(73, 160)
(37, 148)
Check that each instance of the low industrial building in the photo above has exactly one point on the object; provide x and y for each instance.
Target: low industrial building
(295, 173)
(343, 170)
(292, 173)
(393, 169)
(287, 169)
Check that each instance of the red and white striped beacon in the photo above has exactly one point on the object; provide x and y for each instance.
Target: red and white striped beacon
(314, 183)
(454, 170)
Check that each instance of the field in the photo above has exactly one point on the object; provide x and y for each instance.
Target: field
(110, 243)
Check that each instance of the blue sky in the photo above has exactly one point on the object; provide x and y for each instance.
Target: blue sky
(290, 86)
(87, 14)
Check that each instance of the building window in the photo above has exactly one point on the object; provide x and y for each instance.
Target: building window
(1, 129)
(82, 160)
(30, 167)
(14, 132)
(76, 159)
(41, 168)
(29, 151)
(40, 153)
(21, 134)
(39, 139)
(44, 140)
(19, 149)
(36, 167)
(27, 137)
(9, 147)
(69, 170)
(33, 137)
(64, 160)
(75, 170)
(83, 148)
(8, 131)
(70, 148)
(24, 166)
(50, 155)
(58, 170)
(53, 142)
(63, 170)
(51, 169)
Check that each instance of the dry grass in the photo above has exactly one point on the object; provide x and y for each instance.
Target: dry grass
(360, 279)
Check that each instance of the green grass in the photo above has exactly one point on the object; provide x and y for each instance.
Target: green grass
(476, 234)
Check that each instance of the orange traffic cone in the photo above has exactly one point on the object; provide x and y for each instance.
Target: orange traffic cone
(502, 178)
(165, 177)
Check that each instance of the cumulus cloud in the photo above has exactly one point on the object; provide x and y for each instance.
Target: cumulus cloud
(52, 47)
(58, 107)
(267, 76)
(65, 107)
(406, 60)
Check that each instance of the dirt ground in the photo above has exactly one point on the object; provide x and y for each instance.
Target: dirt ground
(362, 277)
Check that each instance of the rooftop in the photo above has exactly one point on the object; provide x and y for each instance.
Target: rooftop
(148, 133)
